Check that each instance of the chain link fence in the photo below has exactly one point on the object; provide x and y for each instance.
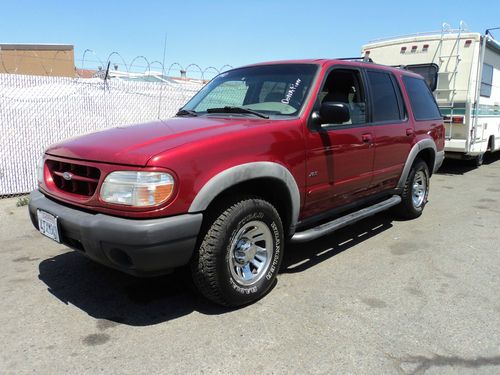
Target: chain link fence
(36, 111)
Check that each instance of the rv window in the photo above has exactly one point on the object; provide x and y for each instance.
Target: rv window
(428, 71)
(486, 80)
(422, 102)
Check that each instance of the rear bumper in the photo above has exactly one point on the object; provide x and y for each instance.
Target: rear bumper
(138, 247)
(455, 145)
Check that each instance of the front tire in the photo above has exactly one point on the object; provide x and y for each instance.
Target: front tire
(415, 191)
(240, 254)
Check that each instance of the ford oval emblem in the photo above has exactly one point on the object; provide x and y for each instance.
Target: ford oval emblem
(67, 176)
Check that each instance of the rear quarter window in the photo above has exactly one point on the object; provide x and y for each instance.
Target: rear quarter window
(422, 102)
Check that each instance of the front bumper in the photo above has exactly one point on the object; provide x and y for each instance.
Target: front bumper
(138, 247)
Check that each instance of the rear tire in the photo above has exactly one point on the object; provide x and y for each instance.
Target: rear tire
(415, 191)
(240, 254)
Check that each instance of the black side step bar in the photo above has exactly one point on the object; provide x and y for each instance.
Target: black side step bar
(326, 228)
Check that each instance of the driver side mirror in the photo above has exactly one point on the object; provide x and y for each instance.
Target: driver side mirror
(332, 113)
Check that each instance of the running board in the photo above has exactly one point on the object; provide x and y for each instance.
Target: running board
(326, 228)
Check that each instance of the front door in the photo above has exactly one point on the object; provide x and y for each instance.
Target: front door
(339, 156)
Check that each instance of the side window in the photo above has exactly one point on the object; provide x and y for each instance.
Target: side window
(345, 86)
(422, 102)
(486, 80)
(386, 99)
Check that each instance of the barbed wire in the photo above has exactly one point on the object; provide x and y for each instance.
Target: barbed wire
(115, 59)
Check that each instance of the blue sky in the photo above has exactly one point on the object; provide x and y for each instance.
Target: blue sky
(215, 33)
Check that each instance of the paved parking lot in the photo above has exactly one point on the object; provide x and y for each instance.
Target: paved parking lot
(380, 297)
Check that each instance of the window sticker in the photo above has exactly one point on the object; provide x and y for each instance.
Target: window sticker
(291, 90)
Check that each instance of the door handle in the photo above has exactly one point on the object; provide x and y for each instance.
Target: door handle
(409, 131)
(367, 138)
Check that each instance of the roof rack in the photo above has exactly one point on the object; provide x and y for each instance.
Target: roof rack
(362, 58)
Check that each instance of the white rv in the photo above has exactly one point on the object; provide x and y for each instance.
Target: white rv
(463, 70)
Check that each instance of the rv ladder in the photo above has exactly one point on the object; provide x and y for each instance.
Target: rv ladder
(455, 59)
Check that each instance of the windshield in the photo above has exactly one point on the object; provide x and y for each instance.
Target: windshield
(279, 89)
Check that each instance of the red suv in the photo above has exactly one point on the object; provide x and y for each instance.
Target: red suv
(263, 155)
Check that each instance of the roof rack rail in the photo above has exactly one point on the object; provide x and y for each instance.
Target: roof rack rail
(362, 58)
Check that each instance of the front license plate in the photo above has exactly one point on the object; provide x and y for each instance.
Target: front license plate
(47, 224)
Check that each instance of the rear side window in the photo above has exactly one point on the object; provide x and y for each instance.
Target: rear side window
(386, 101)
(421, 99)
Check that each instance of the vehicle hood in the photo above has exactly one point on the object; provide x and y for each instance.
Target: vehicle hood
(136, 144)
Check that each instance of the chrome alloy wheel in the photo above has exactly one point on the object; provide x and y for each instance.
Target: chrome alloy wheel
(419, 189)
(251, 252)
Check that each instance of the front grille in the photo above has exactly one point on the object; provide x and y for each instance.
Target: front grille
(74, 178)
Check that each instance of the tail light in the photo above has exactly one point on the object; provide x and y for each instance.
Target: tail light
(454, 119)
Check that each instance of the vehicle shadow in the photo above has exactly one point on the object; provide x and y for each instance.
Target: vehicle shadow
(490, 158)
(460, 167)
(104, 293)
(452, 167)
(300, 257)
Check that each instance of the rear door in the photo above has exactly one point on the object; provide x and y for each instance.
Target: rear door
(427, 118)
(393, 132)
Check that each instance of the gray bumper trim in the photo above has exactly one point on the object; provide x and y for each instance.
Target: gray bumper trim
(439, 160)
(139, 247)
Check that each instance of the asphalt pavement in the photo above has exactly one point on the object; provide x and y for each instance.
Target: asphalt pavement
(380, 297)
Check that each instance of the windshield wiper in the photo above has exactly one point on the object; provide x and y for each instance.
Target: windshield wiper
(186, 112)
(230, 109)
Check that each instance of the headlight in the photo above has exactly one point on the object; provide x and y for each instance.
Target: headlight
(39, 171)
(139, 189)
